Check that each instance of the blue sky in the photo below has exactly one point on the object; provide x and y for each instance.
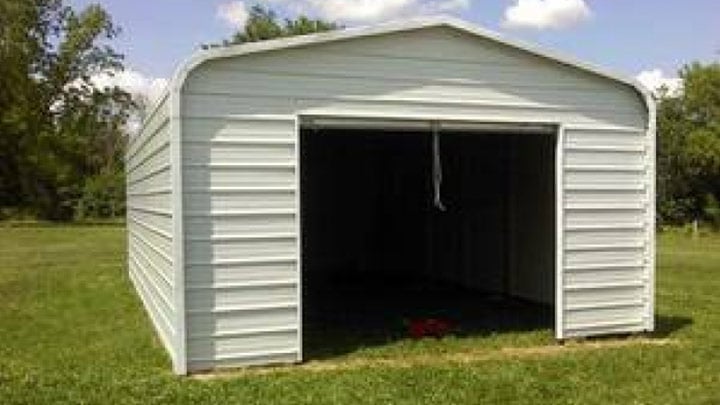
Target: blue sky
(628, 36)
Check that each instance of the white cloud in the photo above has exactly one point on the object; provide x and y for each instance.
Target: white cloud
(368, 11)
(657, 82)
(546, 14)
(234, 13)
(132, 81)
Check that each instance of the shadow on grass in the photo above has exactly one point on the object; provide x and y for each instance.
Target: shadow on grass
(666, 325)
(341, 319)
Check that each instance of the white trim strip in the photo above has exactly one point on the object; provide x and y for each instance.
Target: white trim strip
(606, 305)
(600, 128)
(559, 234)
(243, 141)
(605, 324)
(605, 168)
(244, 333)
(241, 213)
(241, 189)
(244, 308)
(605, 286)
(639, 226)
(242, 285)
(243, 356)
(606, 266)
(246, 261)
(605, 187)
(245, 237)
(605, 246)
(640, 206)
(242, 165)
(604, 148)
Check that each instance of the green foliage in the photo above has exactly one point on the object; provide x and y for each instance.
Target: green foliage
(263, 24)
(103, 196)
(56, 129)
(689, 147)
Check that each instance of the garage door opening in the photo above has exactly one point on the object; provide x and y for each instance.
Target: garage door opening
(397, 227)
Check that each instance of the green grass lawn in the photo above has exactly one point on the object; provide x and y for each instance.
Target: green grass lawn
(73, 331)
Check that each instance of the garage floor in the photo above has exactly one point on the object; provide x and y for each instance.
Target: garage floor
(346, 315)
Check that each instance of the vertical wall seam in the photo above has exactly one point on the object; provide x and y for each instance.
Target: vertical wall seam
(651, 212)
(298, 227)
(180, 366)
(559, 233)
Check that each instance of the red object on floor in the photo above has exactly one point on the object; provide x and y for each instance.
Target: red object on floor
(434, 327)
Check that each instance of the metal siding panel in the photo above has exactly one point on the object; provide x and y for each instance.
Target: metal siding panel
(239, 177)
(151, 161)
(207, 106)
(606, 232)
(149, 224)
(207, 350)
(627, 274)
(239, 173)
(604, 199)
(208, 323)
(603, 237)
(150, 218)
(236, 127)
(150, 180)
(162, 326)
(205, 251)
(239, 224)
(207, 201)
(494, 87)
(252, 358)
(237, 273)
(229, 296)
(238, 152)
(148, 199)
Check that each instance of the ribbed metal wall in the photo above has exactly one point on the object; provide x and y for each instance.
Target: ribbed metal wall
(149, 223)
(240, 186)
(241, 240)
(607, 280)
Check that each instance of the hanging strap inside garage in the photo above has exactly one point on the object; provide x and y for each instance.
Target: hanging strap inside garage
(437, 168)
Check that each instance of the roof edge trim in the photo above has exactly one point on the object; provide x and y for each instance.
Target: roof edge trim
(202, 56)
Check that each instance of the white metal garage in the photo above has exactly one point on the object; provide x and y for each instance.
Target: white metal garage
(458, 154)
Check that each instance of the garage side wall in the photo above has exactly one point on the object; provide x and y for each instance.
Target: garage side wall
(240, 186)
(150, 223)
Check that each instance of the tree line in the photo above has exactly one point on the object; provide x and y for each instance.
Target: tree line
(62, 139)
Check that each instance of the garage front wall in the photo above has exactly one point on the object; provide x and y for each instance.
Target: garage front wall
(238, 129)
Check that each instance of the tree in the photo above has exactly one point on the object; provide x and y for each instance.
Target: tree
(57, 129)
(689, 147)
(263, 24)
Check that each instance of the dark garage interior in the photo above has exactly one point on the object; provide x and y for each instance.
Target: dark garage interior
(378, 252)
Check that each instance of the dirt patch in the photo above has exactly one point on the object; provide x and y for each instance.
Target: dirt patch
(459, 357)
